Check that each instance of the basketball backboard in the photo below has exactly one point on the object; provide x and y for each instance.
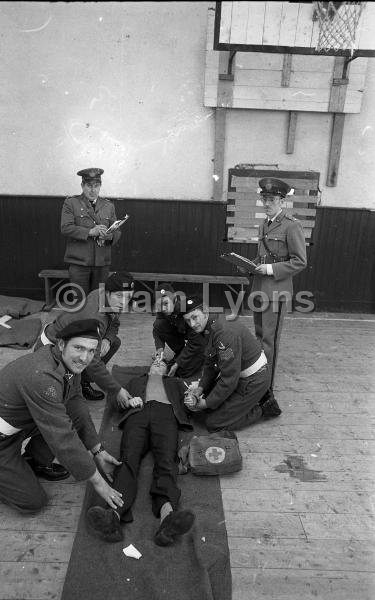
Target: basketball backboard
(291, 27)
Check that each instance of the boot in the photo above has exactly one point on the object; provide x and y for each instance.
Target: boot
(89, 393)
(173, 526)
(52, 472)
(269, 405)
(104, 524)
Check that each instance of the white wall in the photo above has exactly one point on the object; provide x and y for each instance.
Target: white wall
(119, 85)
(108, 84)
(260, 137)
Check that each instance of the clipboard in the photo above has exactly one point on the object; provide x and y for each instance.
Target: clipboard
(240, 261)
(116, 224)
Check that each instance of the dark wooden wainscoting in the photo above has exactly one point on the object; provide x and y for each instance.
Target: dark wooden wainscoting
(188, 237)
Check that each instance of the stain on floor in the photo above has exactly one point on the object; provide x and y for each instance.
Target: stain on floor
(296, 467)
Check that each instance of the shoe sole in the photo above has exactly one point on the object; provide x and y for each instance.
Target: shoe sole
(178, 525)
(98, 534)
(272, 416)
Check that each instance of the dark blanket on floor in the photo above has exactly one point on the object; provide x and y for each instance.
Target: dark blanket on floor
(19, 307)
(23, 333)
(197, 567)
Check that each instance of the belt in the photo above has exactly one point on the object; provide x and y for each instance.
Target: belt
(6, 428)
(262, 360)
(265, 258)
(43, 338)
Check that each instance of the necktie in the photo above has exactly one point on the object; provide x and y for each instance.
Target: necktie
(269, 223)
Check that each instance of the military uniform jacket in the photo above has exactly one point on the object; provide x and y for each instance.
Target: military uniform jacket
(175, 391)
(36, 391)
(175, 321)
(77, 218)
(286, 242)
(193, 340)
(230, 349)
(95, 307)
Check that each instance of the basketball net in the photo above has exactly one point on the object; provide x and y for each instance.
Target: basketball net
(338, 22)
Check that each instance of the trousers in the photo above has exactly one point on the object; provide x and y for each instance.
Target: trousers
(241, 408)
(19, 486)
(268, 325)
(88, 278)
(154, 428)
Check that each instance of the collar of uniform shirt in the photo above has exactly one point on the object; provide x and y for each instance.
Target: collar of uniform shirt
(211, 320)
(275, 217)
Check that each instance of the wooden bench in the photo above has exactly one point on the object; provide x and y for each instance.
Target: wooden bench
(61, 275)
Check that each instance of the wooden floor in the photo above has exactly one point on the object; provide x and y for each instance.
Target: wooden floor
(299, 516)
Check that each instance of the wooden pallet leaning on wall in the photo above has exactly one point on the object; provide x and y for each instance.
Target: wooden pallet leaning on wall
(245, 209)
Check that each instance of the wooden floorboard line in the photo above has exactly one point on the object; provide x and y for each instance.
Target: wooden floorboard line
(294, 533)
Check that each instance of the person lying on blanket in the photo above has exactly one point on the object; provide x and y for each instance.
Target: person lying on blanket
(151, 423)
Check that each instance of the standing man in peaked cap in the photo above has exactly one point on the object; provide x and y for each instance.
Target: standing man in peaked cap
(40, 398)
(281, 255)
(84, 222)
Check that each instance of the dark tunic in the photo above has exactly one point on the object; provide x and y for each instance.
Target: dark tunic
(35, 392)
(231, 348)
(77, 218)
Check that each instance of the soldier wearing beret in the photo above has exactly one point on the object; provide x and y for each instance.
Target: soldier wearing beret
(40, 398)
(170, 328)
(84, 222)
(281, 255)
(105, 307)
(235, 373)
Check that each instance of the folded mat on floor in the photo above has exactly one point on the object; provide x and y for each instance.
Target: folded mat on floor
(19, 307)
(197, 567)
(22, 333)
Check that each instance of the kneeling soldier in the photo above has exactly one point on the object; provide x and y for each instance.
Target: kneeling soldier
(40, 398)
(118, 292)
(170, 328)
(235, 374)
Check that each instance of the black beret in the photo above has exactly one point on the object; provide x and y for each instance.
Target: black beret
(87, 328)
(91, 174)
(274, 187)
(190, 304)
(119, 281)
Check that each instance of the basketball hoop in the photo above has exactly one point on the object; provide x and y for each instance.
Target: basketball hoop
(338, 22)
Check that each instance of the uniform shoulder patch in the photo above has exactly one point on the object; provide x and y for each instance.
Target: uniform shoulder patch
(50, 392)
(290, 217)
(224, 349)
(226, 353)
